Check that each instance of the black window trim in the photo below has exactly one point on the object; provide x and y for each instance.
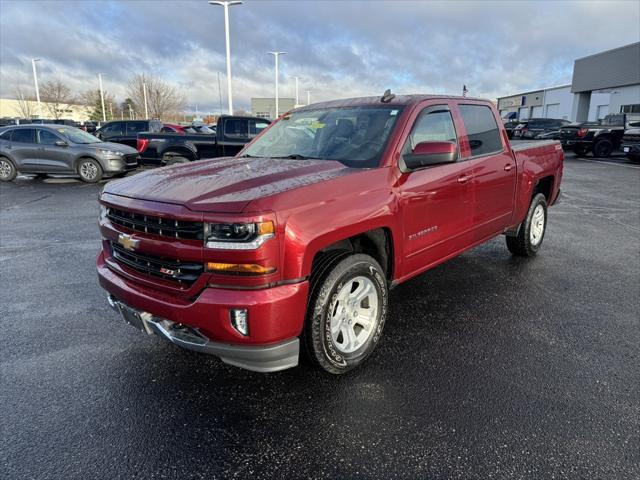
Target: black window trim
(35, 137)
(500, 136)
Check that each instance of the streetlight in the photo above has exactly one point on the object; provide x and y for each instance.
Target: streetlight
(104, 112)
(297, 100)
(144, 93)
(35, 80)
(276, 55)
(308, 97)
(226, 5)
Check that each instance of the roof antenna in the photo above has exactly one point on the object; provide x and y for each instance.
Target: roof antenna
(387, 96)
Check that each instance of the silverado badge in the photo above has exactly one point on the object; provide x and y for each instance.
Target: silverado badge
(128, 242)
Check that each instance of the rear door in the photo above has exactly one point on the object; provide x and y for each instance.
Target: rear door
(112, 132)
(494, 170)
(132, 129)
(24, 149)
(53, 157)
(437, 201)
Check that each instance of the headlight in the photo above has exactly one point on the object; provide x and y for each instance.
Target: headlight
(238, 236)
(106, 151)
(104, 211)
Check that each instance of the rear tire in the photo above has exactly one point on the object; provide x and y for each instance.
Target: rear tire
(170, 159)
(346, 313)
(532, 230)
(602, 148)
(89, 170)
(7, 170)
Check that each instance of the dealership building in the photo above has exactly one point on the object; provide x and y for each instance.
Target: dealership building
(266, 107)
(607, 82)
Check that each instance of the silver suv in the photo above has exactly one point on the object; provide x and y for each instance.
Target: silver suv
(60, 149)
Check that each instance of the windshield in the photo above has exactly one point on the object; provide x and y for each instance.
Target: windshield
(354, 136)
(76, 135)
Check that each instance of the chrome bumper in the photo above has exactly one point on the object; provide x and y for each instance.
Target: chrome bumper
(269, 358)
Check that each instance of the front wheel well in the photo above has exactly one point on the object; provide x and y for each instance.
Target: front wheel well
(376, 243)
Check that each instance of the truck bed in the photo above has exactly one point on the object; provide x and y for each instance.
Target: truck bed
(519, 145)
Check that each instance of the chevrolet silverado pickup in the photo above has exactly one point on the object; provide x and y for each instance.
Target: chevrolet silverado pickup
(292, 245)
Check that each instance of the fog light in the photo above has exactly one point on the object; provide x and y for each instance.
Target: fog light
(240, 320)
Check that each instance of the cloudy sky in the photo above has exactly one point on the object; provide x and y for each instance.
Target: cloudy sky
(339, 48)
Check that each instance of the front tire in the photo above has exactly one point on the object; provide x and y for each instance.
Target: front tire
(89, 170)
(7, 170)
(346, 313)
(531, 232)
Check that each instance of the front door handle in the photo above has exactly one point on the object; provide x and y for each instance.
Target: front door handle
(464, 178)
(508, 167)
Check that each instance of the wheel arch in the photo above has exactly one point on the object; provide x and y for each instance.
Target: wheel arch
(179, 151)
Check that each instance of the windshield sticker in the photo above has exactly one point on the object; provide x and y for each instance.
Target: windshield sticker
(393, 113)
(316, 125)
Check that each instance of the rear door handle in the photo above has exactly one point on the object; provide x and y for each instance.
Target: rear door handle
(508, 167)
(464, 178)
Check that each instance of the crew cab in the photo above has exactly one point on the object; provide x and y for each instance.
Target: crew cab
(295, 242)
(232, 134)
(631, 143)
(599, 138)
(126, 131)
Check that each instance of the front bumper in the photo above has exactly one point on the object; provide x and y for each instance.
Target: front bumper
(117, 164)
(276, 314)
(269, 358)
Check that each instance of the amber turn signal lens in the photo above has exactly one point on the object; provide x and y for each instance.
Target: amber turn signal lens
(265, 228)
(242, 268)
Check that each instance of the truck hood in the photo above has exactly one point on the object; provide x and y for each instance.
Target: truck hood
(225, 185)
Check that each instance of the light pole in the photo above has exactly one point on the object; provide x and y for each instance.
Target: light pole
(226, 5)
(35, 80)
(276, 55)
(104, 112)
(308, 97)
(144, 93)
(297, 98)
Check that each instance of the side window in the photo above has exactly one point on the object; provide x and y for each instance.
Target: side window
(24, 135)
(482, 129)
(134, 127)
(112, 129)
(155, 127)
(6, 135)
(236, 129)
(45, 137)
(256, 127)
(431, 126)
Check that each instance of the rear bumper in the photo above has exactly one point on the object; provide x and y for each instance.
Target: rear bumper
(575, 143)
(631, 148)
(275, 315)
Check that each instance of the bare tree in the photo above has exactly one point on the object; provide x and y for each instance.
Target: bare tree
(26, 104)
(57, 98)
(163, 99)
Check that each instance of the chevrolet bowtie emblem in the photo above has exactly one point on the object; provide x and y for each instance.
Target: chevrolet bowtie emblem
(128, 242)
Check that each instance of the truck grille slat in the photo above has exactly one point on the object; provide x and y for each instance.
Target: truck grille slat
(156, 225)
(160, 267)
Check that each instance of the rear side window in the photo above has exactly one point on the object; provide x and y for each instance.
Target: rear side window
(482, 129)
(134, 127)
(24, 135)
(236, 129)
(6, 135)
(155, 127)
(256, 127)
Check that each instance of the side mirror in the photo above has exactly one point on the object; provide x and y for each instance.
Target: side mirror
(61, 143)
(426, 154)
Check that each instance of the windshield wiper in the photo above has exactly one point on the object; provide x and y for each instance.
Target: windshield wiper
(296, 156)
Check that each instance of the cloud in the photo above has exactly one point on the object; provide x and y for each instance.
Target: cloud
(340, 49)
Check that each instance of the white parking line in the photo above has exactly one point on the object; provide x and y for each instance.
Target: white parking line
(610, 163)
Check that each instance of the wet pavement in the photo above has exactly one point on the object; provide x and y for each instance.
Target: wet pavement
(489, 367)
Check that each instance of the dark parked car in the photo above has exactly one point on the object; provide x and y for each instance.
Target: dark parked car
(631, 144)
(168, 148)
(534, 127)
(58, 149)
(601, 138)
(126, 131)
(510, 127)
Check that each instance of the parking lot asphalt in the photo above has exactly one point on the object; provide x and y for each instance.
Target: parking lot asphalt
(490, 366)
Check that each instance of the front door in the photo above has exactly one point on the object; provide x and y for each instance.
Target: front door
(437, 201)
(494, 171)
(53, 158)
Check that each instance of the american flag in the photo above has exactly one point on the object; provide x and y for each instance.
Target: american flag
(464, 91)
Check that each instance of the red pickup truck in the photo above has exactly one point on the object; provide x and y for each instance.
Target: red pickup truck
(297, 240)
